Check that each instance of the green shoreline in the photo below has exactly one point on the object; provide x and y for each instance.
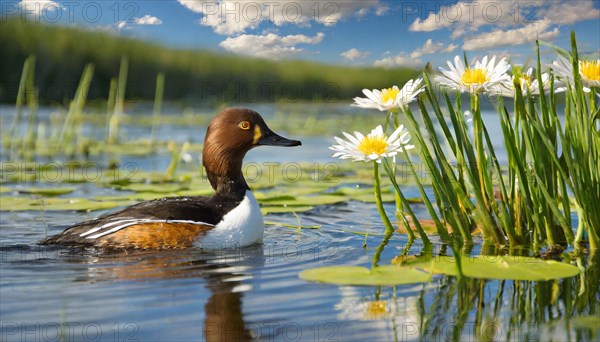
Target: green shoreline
(194, 76)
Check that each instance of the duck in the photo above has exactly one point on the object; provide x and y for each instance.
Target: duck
(230, 218)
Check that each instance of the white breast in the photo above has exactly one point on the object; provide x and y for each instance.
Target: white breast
(240, 227)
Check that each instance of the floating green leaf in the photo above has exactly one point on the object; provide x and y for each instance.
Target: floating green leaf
(287, 225)
(283, 209)
(388, 275)
(23, 204)
(370, 198)
(289, 190)
(501, 267)
(154, 188)
(309, 200)
(47, 191)
(354, 191)
(276, 198)
(586, 322)
(356, 232)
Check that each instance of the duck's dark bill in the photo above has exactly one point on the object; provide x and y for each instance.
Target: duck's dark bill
(271, 138)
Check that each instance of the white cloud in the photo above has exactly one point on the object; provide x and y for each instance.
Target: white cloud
(401, 60)
(354, 54)
(468, 16)
(430, 48)
(229, 17)
(121, 25)
(382, 9)
(569, 12)
(147, 20)
(523, 35)
(271, 46)
(39, 7)
(379, 10)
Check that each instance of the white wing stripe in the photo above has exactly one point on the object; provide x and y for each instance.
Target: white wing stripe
(117, 228)
(93, 230)
(127, 223)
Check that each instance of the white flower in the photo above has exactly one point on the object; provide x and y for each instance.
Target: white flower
(375, 146)
(529, 84)
(588, 70)
(390, 98)
(355, 306)
(484, 76)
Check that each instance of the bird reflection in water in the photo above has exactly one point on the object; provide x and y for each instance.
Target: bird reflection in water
(226, 274)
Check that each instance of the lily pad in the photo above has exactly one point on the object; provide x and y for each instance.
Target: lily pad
(196, 192)
(586, 322)
(58, 204)
(354, 191)
(154, 188)
(266, 199)
(282, 209)
(502, 268)
(309, 200)
(370, 198)
(287, 225)
(289, 191)
(47, 191)
(356, 232)
(388, 275)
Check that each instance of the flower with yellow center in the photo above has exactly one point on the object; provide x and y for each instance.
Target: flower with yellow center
(389, 94)
(483, 76)
(525, 79)
(390, 98)
(588, 70)
(373, 147)
(375, 310)
(530, 85)
(474, 77)
(352, 305)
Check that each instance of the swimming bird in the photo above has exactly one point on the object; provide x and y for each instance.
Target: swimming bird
(229, 218)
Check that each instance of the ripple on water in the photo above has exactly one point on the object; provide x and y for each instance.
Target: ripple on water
(149, 289)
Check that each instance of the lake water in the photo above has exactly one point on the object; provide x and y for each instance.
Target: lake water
(53, 294)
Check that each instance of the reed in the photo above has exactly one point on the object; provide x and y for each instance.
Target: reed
(158, 102)
(115, 119)
(70, 133)
(25, 95)
(547, 163)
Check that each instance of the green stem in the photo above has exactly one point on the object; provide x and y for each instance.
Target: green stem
(397, 198)
(486, 194)
(389, 229)
(478, 128)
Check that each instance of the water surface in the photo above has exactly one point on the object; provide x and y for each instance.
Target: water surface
(50, 293)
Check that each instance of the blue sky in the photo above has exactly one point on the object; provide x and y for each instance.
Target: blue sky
(367, 32)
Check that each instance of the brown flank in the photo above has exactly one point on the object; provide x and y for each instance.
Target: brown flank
(160, 235)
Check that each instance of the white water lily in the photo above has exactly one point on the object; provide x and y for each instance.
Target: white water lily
(390, 98)
(529, 84)
(373, 147)
(355, 306)
(483, 76)
(588, 70)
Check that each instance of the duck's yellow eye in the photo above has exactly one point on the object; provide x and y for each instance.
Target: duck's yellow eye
(245, 125)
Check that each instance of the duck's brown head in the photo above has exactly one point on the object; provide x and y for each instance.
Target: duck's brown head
(232, 133)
